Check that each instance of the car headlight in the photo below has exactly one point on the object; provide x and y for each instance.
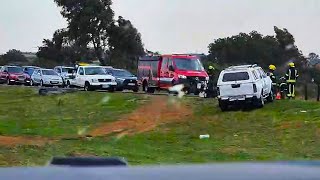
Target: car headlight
(94, 80)
(207, 78)
(182, 76)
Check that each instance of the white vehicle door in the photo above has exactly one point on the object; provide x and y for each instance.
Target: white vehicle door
(263, 78)
(79, 80)
(36, 76)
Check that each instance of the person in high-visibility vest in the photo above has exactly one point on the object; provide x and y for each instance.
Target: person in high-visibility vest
(211, 84)
(273, 78)
(291, 77)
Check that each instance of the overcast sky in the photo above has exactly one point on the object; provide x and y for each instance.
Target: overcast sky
(171, 26)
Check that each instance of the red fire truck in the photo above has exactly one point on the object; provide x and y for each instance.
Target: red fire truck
(165, 71)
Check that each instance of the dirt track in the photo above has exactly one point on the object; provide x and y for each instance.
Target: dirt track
(159, 111)
(13, 141)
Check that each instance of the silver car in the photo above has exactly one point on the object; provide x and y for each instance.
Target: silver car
(46, 77)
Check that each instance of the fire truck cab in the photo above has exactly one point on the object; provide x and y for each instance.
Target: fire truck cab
(165, 71)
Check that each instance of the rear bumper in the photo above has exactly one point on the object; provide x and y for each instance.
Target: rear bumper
(248, 99)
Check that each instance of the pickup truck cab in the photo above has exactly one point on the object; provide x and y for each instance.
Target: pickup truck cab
(94, 77)
(244, 84)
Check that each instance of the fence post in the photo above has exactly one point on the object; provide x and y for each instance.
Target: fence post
(306, 91)
(318, 96)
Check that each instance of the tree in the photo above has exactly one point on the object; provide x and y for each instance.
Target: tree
(125, 44)
(255, 48)
(14, 56)
(88, 23)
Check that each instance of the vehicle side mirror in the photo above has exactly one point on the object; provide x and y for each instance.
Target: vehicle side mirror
(171, 68)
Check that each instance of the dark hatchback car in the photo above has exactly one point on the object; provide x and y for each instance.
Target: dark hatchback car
(125, 80)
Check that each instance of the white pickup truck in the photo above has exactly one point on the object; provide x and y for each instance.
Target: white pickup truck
(93, 77)
(247, 84)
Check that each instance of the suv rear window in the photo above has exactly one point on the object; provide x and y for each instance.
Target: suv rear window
(236, 76)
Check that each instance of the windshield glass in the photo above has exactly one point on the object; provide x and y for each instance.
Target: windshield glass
(189, 64)
(95, 71)
(237, 76)
(49, 73)
(121, 73)
(15, 70)
(67, 70)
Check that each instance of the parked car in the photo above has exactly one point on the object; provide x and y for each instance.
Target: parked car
(94, 77)
(108, 69)
(125, 80)
(29, 69)
(163, 72)
(247, 84)
(46, 77)
(12, 75)
(65, 72)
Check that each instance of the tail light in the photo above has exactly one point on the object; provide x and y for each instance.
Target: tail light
(255, 88)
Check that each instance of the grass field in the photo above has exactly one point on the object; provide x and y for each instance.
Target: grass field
(284, 130)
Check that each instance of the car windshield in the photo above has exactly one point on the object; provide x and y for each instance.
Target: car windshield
(95, 71)
(15, 70)
(67, 70)
(49, 73)
(188, 64)
(121, 73)
(236, 76)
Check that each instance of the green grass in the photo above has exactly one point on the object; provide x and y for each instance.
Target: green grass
(280, 131)
(24, 112)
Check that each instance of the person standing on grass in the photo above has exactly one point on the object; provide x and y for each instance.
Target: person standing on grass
(291, 77)
(211, 83)
(273, 78)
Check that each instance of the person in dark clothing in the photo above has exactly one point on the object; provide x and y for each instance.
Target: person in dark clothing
(210, 91)
(273, 77)
(291, 77)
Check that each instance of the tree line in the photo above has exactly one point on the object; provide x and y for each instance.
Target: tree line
(94, 34)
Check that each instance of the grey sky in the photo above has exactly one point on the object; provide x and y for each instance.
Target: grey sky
(171, 26)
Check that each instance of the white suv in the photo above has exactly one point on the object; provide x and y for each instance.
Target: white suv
(94, 77)
(245, 84)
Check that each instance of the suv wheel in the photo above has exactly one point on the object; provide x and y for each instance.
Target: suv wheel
(223, 106)
(260, 102)
(270, 97)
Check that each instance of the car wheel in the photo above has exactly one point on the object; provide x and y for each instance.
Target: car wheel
(136, 89)
(8, 82)
(86, 87)
(68, 84)
(260, 102)
(223, 106)
(111, 89)
(145, 86)
(41, 83)
(270, 97)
